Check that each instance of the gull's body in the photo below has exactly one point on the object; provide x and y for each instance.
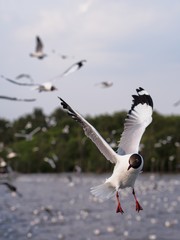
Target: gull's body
(38, 53)
(46, 87)
(128, 162)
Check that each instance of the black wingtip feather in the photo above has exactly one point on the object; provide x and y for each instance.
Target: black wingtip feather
(141, 99)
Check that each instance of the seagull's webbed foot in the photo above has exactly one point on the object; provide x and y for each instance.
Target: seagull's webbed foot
(138, 206)
(119, 208)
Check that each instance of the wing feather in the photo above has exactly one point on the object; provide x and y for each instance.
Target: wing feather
(138, 118)
(92, 133)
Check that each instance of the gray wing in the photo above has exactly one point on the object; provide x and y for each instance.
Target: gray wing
(73, 68)
(18, 99)
(17, 83)
(35, 131)
(92, 133)
(39, 44)
(138, 118)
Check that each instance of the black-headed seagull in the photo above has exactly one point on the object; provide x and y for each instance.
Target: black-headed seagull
(38, 49)
(128, 162)
(41, 87)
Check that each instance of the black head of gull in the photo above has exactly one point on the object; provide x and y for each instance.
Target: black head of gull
(135, 161)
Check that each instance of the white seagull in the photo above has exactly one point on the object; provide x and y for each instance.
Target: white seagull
(28, 136)
(38, 49)
(41, 87)
(128, 162)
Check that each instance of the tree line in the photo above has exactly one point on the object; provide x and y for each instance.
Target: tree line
(61, 146)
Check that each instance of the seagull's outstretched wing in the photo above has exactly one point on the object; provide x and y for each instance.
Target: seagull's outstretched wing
(35, 131)
(39, 44)
(138, 118)
(73, 68)
(17, 99)
(92, 133)
(17, 83)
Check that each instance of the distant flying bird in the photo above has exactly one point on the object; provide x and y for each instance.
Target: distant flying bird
(41, 87)
(73, 68)
(105, 84)
(177, 103)
(128, 162)
(28, 136)
(38, 49)
(17, 99)
(50, 162)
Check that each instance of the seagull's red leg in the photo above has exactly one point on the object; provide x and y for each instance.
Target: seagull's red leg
(119, 208)
(138, 206)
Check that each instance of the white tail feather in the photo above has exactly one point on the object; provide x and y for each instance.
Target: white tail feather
(103, 191)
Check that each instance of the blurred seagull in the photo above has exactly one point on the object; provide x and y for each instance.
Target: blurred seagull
(17, 99)
(50, 162)
(41, 87)
(73, 68)
(38, 50)
(177, 103)
(28, 136)
(46, 87)
(105, 84)
(128, 162)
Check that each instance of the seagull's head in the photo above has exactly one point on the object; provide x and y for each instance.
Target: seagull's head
(53, 88)
(135, 161)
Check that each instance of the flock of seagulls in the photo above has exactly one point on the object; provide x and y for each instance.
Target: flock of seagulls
(47, 86)
(41, 87)
(128, 162)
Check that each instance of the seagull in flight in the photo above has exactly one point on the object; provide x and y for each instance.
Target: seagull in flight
(41, 87)
(127, 160)
(38, 49)
(17, 99)
(28, 136)
(73, 68)
(177, 103)
(105, 84)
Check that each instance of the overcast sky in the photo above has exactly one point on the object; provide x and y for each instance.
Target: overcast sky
(132, 43)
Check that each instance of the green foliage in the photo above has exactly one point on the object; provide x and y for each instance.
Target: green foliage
(62, 140)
